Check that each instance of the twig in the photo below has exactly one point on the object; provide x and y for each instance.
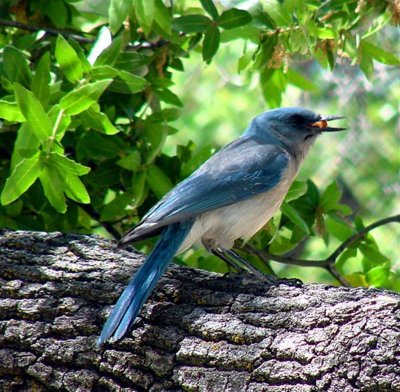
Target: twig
(76, 36)
(48, 30)
(329, 262)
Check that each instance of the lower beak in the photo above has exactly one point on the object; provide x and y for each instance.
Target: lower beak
(322, 124)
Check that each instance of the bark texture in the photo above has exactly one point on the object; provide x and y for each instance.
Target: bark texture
(198, 332)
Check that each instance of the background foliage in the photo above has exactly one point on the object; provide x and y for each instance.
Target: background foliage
(105, 105)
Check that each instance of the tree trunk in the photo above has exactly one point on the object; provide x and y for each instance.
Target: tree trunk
(198, 332)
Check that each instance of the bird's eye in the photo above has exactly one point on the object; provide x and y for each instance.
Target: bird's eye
(297, 119)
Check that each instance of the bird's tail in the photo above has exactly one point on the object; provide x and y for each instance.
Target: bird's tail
(142, 284)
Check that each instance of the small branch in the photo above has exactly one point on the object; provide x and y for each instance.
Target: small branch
(48, 30)
(329, 262)
(76, 36)
(361, 233)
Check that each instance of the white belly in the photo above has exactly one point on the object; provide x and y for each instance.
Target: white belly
(240, 220)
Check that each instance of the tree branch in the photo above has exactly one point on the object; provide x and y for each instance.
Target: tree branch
(76, 35)
(329, 262)
(199, 331)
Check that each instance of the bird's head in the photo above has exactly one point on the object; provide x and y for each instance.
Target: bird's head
(296, 128)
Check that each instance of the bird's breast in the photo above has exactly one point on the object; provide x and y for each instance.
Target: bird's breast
(223, 226)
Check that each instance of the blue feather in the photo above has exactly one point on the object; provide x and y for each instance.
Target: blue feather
(249, 168)
(143, 283)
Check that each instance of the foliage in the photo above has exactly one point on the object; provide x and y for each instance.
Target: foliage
(87, 107)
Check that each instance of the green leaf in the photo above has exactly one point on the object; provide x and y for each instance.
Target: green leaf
(15, 66)
(138, 187)
(117, 209)
(338, 228)
(277, 13)
(21, 179)
(134, 83)
(154, 138)
(97, 146)
(330, 198)
(41, 79)
(210, 42)
(300, 81)
(356, 279)
(75, 189)
(117, 12)
(144, 10)
(210, 8)
(61, 121)
(158, 181)
(191, 23)
(131, 161)
(379, 54)
(57, 12)
(68, 166)
(162, 16)
(372, 254)
(298, 188)
(168, 97)
(234, 18)
(26, 145)
(98, 121)
(344, 259)
(82, 98)
(68, 60)
(110, 55)
(295, 217)
(104, 72)
(34, 113)
(377, 276)
(10, 111)
(322, 32)
(53, 188)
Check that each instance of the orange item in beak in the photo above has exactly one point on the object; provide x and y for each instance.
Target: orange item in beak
(320, 124)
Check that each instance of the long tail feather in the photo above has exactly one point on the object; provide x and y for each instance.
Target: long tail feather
(142, 284)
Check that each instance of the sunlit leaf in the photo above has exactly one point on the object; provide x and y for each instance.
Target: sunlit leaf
(83, 97)
(53, 188)
(41, 79)
(68, 165)
(10, 111)
(21, 179)
(330, 197)
(34, 113)
(295, 217)
(145, 13)
(118, 12)
(377, 276)
(68, 59)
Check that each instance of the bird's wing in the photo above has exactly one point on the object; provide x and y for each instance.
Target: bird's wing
(242, 169)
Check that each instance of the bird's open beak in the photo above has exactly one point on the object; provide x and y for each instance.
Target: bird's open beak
(322, 124)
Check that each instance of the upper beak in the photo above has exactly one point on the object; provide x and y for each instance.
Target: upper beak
(322, 124)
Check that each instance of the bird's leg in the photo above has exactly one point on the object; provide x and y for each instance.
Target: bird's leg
(224, 257)
(249, 267)
(268, 278)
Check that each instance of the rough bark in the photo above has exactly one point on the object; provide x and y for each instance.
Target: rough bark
(198, 332)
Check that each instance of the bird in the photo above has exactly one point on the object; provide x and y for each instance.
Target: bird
(230, 196)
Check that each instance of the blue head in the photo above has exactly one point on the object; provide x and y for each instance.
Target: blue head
(294, 128)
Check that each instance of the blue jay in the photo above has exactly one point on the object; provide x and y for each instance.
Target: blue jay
(232, 195)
